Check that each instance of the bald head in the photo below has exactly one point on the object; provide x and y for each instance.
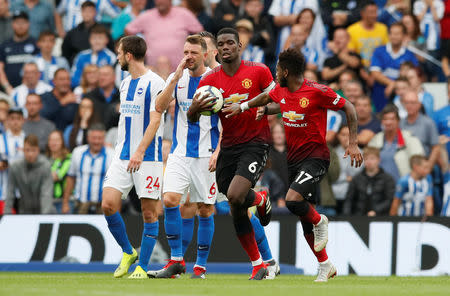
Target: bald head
(411, 102)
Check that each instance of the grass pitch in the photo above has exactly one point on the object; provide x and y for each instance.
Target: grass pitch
(65, 284)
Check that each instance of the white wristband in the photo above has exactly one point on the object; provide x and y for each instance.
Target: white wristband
(244, 106)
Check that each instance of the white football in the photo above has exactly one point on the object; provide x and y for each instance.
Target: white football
(213, 92)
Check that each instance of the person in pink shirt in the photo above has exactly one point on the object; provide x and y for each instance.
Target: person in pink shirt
(164, 29)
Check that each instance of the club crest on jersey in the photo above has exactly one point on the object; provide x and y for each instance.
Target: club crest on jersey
(293, 116)
(246, 83)
(304, 102)
(235, 98)
(140, 91)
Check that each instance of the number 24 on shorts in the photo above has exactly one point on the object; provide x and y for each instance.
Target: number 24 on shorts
(152, 185)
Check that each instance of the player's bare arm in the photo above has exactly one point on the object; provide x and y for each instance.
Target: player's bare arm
(199, 104)
(352, 149)
(165, 97)
(269, 109)
(137, 157)
(213, 159)
(235, 108)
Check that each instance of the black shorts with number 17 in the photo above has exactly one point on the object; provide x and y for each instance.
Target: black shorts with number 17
(247, 160)
(305, 176)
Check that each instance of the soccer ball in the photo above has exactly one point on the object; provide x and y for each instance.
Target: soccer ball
(213, 92)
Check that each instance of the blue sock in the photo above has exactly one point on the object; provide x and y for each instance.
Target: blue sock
(149, 238)
(204, 238)
(173, 226)
(261, 239)
(222, 208)
(118, 230)
(188, 231)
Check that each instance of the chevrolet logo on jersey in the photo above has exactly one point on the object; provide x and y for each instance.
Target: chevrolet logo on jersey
(293, 116)
(235, 98)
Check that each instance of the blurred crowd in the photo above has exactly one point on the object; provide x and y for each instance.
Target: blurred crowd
(59, 94)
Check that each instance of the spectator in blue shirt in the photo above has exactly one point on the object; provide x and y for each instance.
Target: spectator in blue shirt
(297, 39)
(442, 119)
(42, 15)
(414, 192)
(127, 15)
(385, 66)
(15, 52)
(98, 54)
(393, 12)
(46, 62)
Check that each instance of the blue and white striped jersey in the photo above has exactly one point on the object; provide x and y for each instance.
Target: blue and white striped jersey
(446, 197)
(20, 93)
(89, 171)
(88, 57)
(137, 100)
(413, 195)
(192, 139)
(253, 53)
(48, 69)
(14, 145)
(71, 9)
(334, 120)
(430, 28)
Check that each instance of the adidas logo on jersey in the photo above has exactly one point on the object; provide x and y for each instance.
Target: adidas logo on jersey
(283, 101)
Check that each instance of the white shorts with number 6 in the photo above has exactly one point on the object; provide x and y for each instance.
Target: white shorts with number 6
(147, 180)
(185, 174)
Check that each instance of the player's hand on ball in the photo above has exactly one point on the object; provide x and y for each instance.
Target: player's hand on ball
(232, 109)
(135, 162)
(203, 103)
(355, 155)
(260, 112)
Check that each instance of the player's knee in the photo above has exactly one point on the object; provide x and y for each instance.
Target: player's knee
(205, 210)
(234, 199)
(171, 200)
(108, 207)
(149, 215)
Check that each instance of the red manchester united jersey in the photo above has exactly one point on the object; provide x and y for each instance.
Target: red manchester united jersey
(305, 118)
(249, 81)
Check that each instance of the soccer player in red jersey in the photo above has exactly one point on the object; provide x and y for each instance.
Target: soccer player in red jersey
(303, 104)
(244, 145)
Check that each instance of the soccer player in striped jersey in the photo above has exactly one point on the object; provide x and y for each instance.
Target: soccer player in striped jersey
(188, 164)
(138, 157)
(414, 192)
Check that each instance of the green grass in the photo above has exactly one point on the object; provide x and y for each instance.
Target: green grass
(85, 284)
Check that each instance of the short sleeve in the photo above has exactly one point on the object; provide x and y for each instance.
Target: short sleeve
(329, 99)
(275, 93)
(401, 188)
(434, 134)
(156, 87)
(275, 8)
(73, 164)
(377, 60)
(266, 79)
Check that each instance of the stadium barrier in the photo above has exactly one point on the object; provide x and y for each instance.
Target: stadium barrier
(364, 246)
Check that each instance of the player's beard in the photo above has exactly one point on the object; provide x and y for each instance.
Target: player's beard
(124, 66)
(283, 82)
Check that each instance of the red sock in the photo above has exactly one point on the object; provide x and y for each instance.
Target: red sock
(248, 242)
(322, 255)
(311, 216)
(259, 196)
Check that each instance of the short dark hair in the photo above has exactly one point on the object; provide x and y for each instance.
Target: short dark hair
(416, 159)
(292, 60)
(60, 70)
(390, 108)
(197, 39)
(398, 24)
(229, 31)
(134, 45)
(206, 34)
(402, 79)
(368, 3)
(15, 110)
(88, 4)
(31, 140)
(97, 127)
(46, 33)
(99, 29)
